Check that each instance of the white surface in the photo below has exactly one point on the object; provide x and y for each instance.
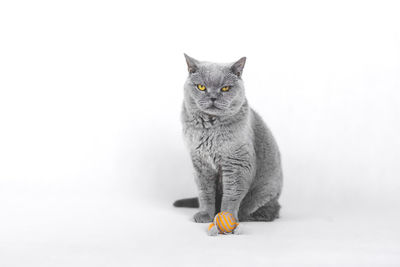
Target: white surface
(91, 154)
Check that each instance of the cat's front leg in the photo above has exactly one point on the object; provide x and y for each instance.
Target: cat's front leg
(237, 173)
(205, 177)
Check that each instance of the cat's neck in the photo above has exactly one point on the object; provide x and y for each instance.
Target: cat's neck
(198, 119)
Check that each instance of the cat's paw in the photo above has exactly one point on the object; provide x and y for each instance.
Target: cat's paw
(238, 230)
(202, 217)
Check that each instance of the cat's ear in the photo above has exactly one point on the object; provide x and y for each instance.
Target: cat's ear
(237, 67)
(193, 64)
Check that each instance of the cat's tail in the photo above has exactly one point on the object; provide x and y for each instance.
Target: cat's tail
(187, 203)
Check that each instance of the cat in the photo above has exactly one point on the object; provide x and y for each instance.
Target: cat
(236, 160)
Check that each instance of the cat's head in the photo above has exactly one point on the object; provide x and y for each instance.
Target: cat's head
(214, 88)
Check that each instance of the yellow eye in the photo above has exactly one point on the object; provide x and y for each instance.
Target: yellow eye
(201, 87)
(225, 89)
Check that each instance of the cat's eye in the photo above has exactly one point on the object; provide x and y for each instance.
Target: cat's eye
(225, 89)
(201, 87)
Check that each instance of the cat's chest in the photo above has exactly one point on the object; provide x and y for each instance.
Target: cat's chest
(207, 145)
(209, 142)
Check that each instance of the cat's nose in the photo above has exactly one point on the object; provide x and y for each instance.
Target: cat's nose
(213, 99)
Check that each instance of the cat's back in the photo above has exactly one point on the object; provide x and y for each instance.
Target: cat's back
(261, 131)
(266, 148)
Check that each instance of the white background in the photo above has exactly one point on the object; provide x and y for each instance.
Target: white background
(91, 151)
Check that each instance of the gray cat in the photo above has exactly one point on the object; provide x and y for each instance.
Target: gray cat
(236, 159)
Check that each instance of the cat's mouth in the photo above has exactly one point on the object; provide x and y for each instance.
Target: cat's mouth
(213, 111)
(213, 106)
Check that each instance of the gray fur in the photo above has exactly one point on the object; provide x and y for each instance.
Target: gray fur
(235, 157)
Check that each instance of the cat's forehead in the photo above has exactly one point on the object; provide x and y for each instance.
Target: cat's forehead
(214, 74)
